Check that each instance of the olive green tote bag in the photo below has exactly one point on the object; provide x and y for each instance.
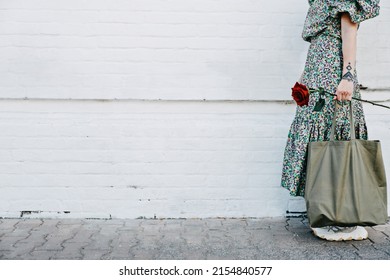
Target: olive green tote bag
(345, 182)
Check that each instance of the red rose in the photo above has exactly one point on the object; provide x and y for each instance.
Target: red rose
(300, 94)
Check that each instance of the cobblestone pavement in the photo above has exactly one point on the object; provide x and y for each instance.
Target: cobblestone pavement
(269, 238)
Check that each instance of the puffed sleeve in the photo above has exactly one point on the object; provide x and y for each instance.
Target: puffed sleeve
(358, 10)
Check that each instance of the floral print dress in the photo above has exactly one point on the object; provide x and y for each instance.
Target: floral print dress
(323, 68)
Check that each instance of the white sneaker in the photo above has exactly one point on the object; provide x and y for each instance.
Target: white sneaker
(334, 233)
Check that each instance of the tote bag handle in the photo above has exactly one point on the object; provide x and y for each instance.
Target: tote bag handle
(351, 121)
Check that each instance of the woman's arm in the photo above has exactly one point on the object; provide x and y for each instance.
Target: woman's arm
(348, 34)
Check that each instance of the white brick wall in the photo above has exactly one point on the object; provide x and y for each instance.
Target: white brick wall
(172, 49)
(152, 147)
(149, 158)
(145, 158)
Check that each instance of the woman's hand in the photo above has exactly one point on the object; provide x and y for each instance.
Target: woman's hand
(344, 90)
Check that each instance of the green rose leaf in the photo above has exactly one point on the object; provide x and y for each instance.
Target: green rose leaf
(321, 101)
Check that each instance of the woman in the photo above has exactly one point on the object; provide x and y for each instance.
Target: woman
(331, 28)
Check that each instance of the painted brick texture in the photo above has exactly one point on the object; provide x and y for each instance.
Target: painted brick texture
(162, 109)
(172, 49)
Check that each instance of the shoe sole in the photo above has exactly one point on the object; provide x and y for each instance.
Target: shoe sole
(345, 239)
(349, 238)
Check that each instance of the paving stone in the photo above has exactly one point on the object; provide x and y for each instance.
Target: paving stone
(268, 238)
(198, 232)
(194, 254)
(67, 229)
(384, 229)
(193, 239)
(171, 229)
(195, 234)
(117, 256)
(82, 236)
(150, 243)
(384, 249)
(70, 256)
(322, 249)
(295, 222)
(143, 254)
(48, 227)
(7, 243)
(17, 233)
(257, 224)
(129, 229)
(36, 237)
(233, 222)
(263, 235)
(193, 222)
(3, 232)
(122, 246)
(228, 253)
(213, 223)
(72, 250)
(117, 222)
(28, 223)
(93, 254)
(22, 249)
(241, 240)
(42, 254)
(108, 230)
(376, 236)
(152, 222)
(171, 252)
(70, 246)
(133, 223)
(99, 243)
(53, 222)
(240, 254)
(70, 221)
(372, 253)
(8, 223)
(52, 244)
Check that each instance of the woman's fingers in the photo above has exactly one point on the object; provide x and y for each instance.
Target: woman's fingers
(347, 95)
(344, 90)
(343, 95)
(339, 95)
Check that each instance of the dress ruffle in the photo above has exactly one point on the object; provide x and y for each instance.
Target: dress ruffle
(325, 15)
(359, 10)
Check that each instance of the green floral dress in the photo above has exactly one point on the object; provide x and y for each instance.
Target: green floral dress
(323, 68)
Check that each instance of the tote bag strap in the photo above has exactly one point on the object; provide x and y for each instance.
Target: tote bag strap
(351, 121)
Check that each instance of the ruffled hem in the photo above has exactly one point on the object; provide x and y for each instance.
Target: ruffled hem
(319, 132)
(359, 10)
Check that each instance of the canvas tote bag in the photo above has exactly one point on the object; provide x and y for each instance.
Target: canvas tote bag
(345, 182)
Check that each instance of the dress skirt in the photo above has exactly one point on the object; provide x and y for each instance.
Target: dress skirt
(323, 68)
